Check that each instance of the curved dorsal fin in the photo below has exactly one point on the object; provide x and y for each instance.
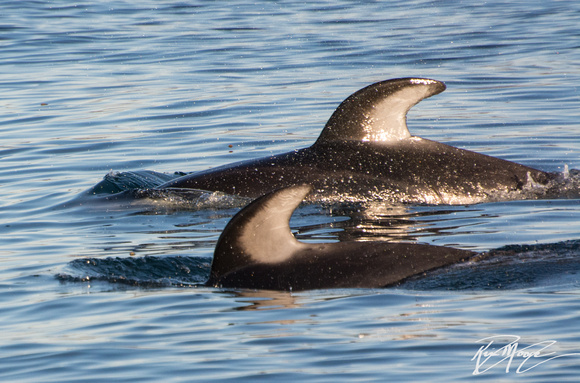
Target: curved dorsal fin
(379, 111)
(259, 233)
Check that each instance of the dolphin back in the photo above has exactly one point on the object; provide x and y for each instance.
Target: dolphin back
(366, 152)
(257, 250)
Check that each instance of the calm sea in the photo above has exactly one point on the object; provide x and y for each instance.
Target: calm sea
(123, 94)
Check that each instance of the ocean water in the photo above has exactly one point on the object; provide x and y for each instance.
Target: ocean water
(117, 96)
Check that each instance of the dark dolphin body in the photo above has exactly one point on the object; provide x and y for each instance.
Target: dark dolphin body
(366, 152)
(257, 250)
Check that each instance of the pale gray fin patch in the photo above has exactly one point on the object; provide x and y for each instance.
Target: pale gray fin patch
(266, 237)
(259, 233)
(379, 111)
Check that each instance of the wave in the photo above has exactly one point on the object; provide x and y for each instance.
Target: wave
(145, 271)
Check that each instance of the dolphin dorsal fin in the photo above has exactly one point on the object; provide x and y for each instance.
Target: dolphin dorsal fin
(260, 232)
(379, 111)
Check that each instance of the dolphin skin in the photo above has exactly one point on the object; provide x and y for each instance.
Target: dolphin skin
(366, 153)
(257, 250)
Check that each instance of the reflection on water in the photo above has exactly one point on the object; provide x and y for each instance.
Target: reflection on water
(268, 300)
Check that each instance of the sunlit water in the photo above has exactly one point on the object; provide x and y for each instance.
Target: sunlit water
(97, 287)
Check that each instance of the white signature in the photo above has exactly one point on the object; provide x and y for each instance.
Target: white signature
(490, 355)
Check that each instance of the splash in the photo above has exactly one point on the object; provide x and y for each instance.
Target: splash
(185, 199)
(122, 190)
(565, 185)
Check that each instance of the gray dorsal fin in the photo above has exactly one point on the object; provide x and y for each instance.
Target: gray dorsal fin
(379, 111)
(259, 233)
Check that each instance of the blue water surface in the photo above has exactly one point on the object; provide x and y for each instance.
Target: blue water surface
(123, 95)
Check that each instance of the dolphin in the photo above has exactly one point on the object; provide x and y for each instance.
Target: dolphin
(257, 250)
(366, 153)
